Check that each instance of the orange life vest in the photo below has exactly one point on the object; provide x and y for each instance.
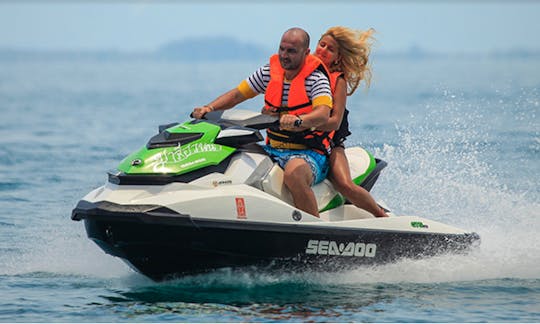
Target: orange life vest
(298, 103)
(333, 80)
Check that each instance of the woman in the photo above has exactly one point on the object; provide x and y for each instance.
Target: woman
(345, 52)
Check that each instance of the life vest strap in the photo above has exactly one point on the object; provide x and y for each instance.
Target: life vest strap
(305, 138)
(280, 109)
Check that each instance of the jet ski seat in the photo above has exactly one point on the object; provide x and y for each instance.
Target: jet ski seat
(325, 193)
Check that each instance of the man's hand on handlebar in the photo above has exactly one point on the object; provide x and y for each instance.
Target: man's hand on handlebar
(291, 123)
(199, 112)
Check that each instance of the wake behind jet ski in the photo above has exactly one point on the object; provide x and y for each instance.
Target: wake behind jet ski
(203, 195)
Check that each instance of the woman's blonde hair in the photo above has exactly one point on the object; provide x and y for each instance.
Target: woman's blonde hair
(354, 48)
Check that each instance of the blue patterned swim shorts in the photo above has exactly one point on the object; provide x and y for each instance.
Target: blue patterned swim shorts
(318, 162)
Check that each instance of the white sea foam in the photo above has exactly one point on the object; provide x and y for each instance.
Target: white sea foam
(63, 248)
(437, 171)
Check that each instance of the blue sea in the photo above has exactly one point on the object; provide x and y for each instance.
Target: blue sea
(461, 135)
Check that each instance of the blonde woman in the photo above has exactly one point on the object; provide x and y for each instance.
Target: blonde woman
(345, 52)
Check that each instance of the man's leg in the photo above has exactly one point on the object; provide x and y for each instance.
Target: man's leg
(298, 178)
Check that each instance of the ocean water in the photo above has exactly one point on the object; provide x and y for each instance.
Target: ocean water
(461, 136)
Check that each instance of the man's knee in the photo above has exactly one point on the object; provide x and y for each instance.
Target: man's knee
(297, 172)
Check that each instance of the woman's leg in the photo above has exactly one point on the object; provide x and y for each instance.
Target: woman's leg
(340, 176)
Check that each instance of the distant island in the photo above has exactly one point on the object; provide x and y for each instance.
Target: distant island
(226, 48)
(189, 49)
(211, 48)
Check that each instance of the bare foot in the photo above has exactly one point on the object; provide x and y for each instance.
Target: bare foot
(382, 213)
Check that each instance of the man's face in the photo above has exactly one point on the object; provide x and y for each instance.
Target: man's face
(291, 51)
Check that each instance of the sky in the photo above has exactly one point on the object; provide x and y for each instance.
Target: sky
(438, 26)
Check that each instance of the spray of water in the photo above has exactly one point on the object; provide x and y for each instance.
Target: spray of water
(64, 249)
(440, 169)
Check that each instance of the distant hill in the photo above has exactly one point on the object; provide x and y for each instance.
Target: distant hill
(188, 49)
(212, 48)
(226, 48)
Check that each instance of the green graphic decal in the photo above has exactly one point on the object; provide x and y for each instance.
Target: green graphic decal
(182, 158)
(419, 225)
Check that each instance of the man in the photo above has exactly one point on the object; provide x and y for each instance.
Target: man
(296, 87)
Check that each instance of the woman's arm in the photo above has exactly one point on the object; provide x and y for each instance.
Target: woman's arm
(338, 110)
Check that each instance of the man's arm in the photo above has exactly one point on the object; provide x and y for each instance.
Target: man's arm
(318, 117)
(321, 97)
(225, 101)
(235, 96)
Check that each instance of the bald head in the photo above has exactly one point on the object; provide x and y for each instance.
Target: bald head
(293, 49)
(298, 34)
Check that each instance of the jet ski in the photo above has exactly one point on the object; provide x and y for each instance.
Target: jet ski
(203, 195)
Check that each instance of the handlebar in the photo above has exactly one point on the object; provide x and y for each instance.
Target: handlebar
(244, 118)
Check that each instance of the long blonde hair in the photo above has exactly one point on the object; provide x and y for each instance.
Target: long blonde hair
(354, 48)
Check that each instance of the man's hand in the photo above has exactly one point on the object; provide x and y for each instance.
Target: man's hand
(199, 112)
(287, 122)
(269, 111)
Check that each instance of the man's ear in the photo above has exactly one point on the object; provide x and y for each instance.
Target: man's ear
(307, 51)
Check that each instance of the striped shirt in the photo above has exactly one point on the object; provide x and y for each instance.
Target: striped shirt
(317, 86)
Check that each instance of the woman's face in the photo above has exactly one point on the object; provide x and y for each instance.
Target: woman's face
(327, 50)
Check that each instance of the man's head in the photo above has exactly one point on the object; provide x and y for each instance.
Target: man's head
(293, 48)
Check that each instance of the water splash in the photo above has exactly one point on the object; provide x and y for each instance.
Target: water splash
(63, 249)
(445, 167)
